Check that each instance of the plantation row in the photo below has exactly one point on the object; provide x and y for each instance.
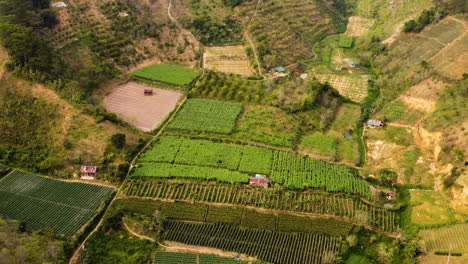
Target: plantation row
(291, 170)
(168, 170)
(355, 210)
(188, 258)
(450, 238)
(207, 116)
(238, 216)
(275, 247)
(232, 88)
(45, 203)
(285, 31)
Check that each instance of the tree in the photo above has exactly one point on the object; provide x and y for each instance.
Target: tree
(409, 26)
(118, 140)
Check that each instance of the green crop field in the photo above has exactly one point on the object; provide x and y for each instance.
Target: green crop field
(45, 203)
(207, 116)
(345, 41)
(189, 258)
(276, 247)
(304, 202)
(172, 74)
(444, 239)
(231, 88)
(292, 170)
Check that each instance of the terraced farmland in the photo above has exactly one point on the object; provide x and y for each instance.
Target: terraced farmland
(45, 203)
(228, 59)
(207, 116)
(291, 170)
(285, 31)
(276, 247)
(304, 202)
(444, 239)
(354, 87)
(188, 258)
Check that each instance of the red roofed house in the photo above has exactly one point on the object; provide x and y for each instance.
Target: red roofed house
(260, 180)
(375, 123)
(88, 172)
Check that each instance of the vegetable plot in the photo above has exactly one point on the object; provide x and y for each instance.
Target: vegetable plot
(207, 116)
(275, 247)
(45, 203)
(286, 168)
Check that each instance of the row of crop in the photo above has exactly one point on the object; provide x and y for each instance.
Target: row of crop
(243, 217)
(306, 202)
(285, 168)
(207, 116)
(168, 170)
(75, 194)
(188, 258)
(276, 247)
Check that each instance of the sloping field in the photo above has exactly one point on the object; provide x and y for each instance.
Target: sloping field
(45, 203)
(354, 87)
(207, 116)
(358, 26)
(172, 74)
(228, 59)
(443, 45)
(145, 112)
(445, 238)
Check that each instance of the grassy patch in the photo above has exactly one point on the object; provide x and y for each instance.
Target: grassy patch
(397, 111)
(347, 150)
(398, 135)
(319, 143)
(432, 209)
(268, 125)
(172, 74)
(345, 42)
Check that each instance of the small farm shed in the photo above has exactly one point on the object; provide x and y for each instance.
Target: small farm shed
(375, 123)
(280, 69)
(352, 64)
(260, 180)
(59, 4)
(89, 172)
(304, 76)
(148, 91)
(391, 196)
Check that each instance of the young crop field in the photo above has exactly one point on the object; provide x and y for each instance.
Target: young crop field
(231, 88)
(234, 215)
(354, 87)
(345, 41)
(228, 59)
(172, 74)
(291, 170)
(45, 203)
(446, 239)
(303, 202)
(285, 31)
(189, 258)
(203, 115)
(276, 247)
(358, 26)
(432, 208)
(144, 112)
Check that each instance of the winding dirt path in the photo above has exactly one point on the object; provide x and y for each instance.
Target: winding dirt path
(249, 39)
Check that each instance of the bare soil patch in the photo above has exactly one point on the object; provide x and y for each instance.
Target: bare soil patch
(424, 95)
(358, 26)
(145, 112)
(354, 87)
(184, 248)
(228, 59)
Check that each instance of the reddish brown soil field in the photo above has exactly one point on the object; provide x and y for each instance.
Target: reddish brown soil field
(145, 112)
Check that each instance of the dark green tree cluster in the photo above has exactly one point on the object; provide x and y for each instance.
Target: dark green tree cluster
(212, 32)
(427, 17)
(19, 246)
(20, 21)
(232, 3)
